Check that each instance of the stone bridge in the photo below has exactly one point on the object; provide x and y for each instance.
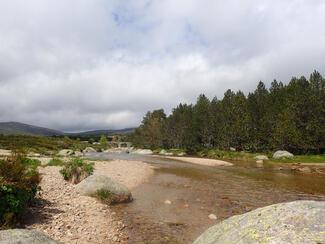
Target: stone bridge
(121, 144)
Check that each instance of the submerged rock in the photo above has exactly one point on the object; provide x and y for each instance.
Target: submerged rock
(168, 202)
(17, 236)
(104, 188)
(282, 154)
(301, 169)
(293, 222)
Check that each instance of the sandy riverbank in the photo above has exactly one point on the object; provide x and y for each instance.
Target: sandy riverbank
(66, 216)
(201, 161)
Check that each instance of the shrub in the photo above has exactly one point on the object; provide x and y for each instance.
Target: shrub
(104, 196)
(33, 163)
(56, 162)
(19, 181)
(76, 170)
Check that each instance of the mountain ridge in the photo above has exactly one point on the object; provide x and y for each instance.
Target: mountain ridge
(18, 128)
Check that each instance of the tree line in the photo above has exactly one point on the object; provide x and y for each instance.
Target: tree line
(290, 117)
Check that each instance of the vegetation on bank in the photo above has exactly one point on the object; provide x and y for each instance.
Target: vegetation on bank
(56, 162)
(248, 156)
(48, 145)
(76, 170)
(289, 117)
(19, 181)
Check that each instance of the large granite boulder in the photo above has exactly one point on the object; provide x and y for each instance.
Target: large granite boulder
(18, 236)
(282, 154)
(293, 222)
(104, 188)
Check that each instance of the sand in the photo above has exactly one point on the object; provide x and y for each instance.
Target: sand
(201, 161)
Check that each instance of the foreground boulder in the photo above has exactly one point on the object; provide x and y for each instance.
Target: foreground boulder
(282, 154)
(293, 222)
(105, 189)
(17, 236)
(65, 152)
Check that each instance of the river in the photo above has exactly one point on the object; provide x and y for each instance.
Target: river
(194, 192)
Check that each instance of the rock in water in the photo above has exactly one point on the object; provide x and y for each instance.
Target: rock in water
(89, 150)
(65, 152)
(212, 216)
(261, 157)
(17, 236)
(282, 154)
(104, 188)
(143, 151)
(293, 222)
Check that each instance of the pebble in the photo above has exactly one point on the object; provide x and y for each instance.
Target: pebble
(168, 202)
(212, 216)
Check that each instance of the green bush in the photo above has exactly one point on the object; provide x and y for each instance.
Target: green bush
(56, 162)
(33, 163)
(104, 196)
(19, 181)
(76, 170)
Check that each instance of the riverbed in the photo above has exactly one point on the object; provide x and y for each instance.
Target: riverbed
(175, 204)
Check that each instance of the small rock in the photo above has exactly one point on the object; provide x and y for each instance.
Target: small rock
(261, 157)
(212, 216)
(304, 170)
(168, 202)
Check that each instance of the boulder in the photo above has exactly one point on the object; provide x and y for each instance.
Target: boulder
(163, 152)
(232, 149)
(261, 157)
(143, 151)
(181, 154)
(66, 152)
(293, 222)
(282, 154)
(89, 150)
(17, 236)
(105, 188)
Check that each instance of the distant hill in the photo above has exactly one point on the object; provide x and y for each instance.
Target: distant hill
(16, 128)
(102, 132)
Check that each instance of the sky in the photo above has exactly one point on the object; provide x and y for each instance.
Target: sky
(95, 64)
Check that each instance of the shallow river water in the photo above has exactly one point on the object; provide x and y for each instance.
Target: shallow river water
(196, 191)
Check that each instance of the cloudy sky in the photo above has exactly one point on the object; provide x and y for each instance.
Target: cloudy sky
(95, 64)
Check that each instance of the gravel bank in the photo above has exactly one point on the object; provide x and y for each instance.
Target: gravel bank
(68, 217)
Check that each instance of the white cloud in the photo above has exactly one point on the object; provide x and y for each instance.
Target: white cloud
(84, 64)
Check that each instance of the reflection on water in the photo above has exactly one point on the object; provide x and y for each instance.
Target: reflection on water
(196, 191)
